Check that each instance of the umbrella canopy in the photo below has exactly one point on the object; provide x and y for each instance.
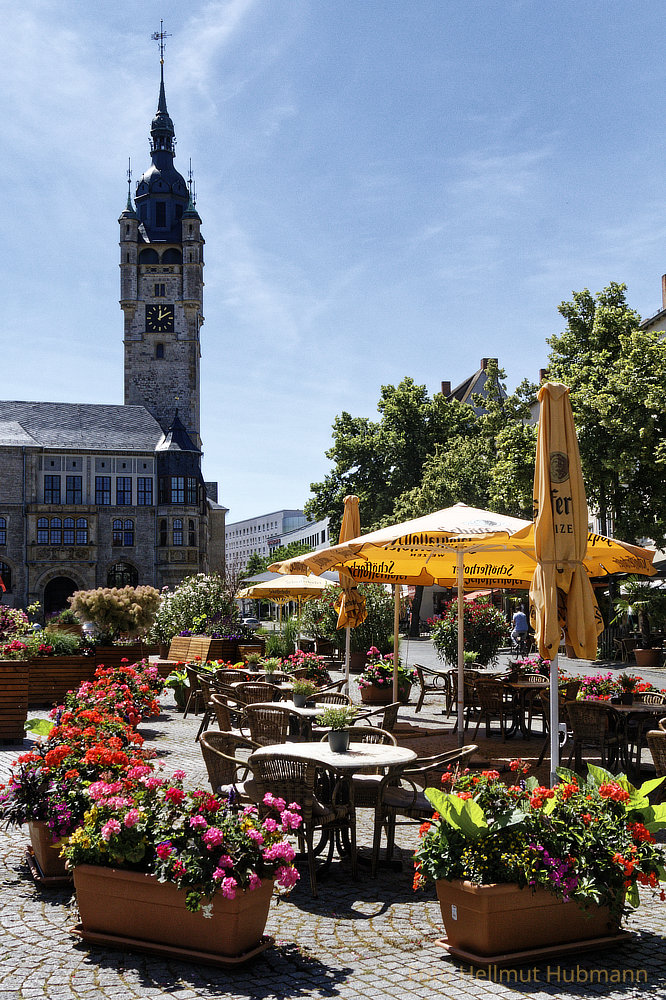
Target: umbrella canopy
(459, 546)
(351, 605)
(287, 588)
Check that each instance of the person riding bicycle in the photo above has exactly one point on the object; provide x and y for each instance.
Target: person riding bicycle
(520, 627)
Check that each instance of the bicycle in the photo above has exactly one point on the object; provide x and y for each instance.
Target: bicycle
(521, 645)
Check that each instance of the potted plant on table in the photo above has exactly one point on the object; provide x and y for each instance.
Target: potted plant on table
(376, 681)
(181, 871)
(628, 684)
(338, 718)
(520, 868)
(303, 689)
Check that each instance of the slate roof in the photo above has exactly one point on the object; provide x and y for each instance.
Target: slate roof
(78, 426)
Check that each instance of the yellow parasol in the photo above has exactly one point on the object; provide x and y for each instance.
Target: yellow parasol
(350, 605)
(464, 547)
(561, 593)
(282, 590)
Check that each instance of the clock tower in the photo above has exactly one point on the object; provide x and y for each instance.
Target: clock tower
(161, 285)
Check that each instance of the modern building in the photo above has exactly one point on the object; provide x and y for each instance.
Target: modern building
(106, 495)
(268, 532)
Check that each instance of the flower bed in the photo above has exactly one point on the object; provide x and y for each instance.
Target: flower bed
(587, 843)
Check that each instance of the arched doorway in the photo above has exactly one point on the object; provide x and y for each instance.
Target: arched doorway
(56, 593)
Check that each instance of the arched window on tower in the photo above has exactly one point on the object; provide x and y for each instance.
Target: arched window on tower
(177, 531)
(82, 531)
(172, 256)
(68, 531)
(159, 350)
(55, 534)
(42, 531)
(149, 256)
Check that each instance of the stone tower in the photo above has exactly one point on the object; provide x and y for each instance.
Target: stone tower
(161, 286)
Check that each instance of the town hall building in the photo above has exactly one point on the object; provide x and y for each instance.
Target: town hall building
(109, 495)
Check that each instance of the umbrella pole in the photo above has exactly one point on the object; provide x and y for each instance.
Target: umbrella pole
(396, 639)
(554, 721)
(461, 646)
(347, 657)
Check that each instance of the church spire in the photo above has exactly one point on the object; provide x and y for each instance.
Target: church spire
(162, 130)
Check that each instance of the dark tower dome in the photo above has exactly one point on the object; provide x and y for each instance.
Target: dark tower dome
(161, 193)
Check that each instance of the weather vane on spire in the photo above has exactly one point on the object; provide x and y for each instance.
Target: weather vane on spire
(159, 36)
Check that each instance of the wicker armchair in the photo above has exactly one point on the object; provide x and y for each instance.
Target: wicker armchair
(274, 677)
(469, 694)
(399, 794)
(230, 675)
(195, 698)
(367, 785)
(595, 726)
(431, 682)
(492, 698)
(258, 691)
(326, 805)
(386, 715)
(656, 741)
(270, 723)
(227, 772)
(328, 698)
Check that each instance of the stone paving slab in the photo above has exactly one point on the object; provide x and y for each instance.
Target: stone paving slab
(372, 938)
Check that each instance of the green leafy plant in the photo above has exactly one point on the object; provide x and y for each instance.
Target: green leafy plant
(589, 841)
(648, 602)
(271, 664)
(53, 643)
(337, 717)
(485, 630)
(320, 619)
(201, 603)
(304, 687)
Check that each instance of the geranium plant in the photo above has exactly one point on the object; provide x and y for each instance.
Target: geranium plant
(314, 665)
(194, 839)
(485, 630)
(591, 842)
(378, 673)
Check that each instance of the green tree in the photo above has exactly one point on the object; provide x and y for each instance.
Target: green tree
(617, 376)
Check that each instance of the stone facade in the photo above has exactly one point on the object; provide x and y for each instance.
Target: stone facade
(111, 494)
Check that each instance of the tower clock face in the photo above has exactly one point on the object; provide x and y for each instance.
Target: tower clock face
(159, 318)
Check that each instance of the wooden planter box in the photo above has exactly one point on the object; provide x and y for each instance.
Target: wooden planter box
(13, 699)
(112, 656)
(51, 677)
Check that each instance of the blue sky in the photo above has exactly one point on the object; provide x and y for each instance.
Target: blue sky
(387, 188)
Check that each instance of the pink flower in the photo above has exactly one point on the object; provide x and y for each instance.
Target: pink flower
(109, 828)
(282, 851)
(290, 820)
(131, 818)
(229, 886)
(213, 837)
(270, 825)
(255, 835)
(198, 823)
(174, 795)
(164, 850)
(274, 802)
(255, 881)
(179, 775)
(287, 877)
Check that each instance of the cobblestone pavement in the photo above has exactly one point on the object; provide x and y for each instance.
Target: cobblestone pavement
(371, 938)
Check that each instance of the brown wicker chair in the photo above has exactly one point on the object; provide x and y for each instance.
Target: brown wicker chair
(469, 694)
(430, 682)
(230, 675)
(656, 741)
(328, 698)
(400, 794)
(195, 699)
(386, 715)
(227, 772)
(258, 691)
(492, 698)
(366, 786)
(544, 697)
(662, 724)
(326, 805)
(272, 723)
(595, 726)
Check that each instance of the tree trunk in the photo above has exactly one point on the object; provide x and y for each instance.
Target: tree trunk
(415, 619)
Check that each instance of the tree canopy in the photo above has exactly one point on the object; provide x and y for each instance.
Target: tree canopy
(617, 376)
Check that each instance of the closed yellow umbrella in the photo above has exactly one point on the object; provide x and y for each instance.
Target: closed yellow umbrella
(560, 593)
(350, 605)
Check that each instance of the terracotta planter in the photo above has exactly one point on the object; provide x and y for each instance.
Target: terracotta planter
(46, 851)
(138, 908)
(498, 920)
(13, 699)
(647, 657)
(377, 696)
